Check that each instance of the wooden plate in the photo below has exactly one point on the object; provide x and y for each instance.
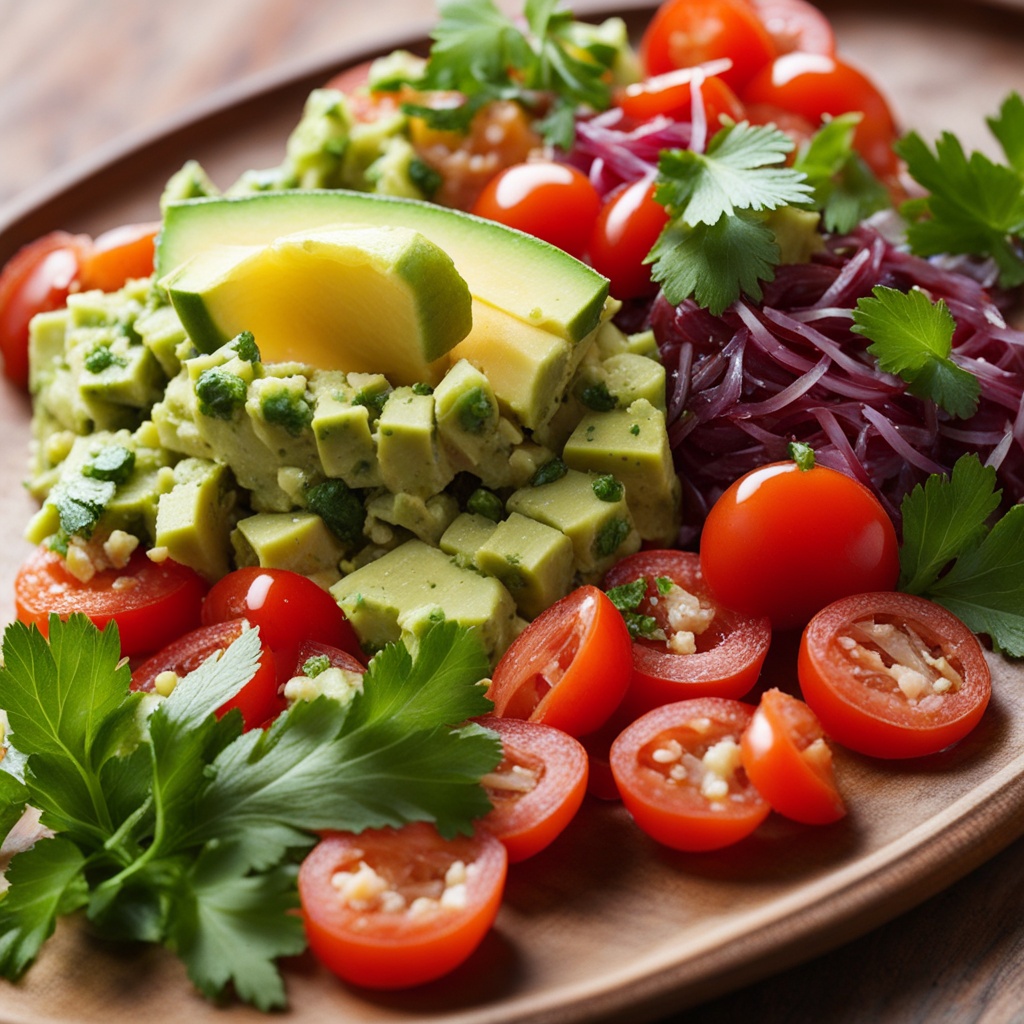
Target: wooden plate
(604, 924)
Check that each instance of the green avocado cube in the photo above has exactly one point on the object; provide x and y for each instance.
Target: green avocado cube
(426, 518)
(343, 433)
(281, 409)
(408, 448)
(299, 541)
(466, 534)
(161, 332)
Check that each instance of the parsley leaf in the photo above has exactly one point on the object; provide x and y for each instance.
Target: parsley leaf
(913, 337)
(952, 556)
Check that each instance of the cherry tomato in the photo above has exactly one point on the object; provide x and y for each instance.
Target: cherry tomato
(569, 668)
(287, 607)
(259, 700)
(672, 94)
(814, 84)
(335, 655)
(784, 541)
(553, 201)
(152, 603)
(786, 756)
(538, 787)
(118, 256)
(729, 649)
(392, 908)
(893, 675)
(685, 33)
(679, 773)
(36, 279)
(796, 25)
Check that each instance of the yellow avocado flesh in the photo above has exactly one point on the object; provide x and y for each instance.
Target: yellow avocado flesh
(356, 298)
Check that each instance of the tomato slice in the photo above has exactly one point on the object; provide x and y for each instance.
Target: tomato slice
(569, 668)
(393, 908)
(152, 603)
(259, 700)
(679, 772)
(893, 675)
(118, 256)
(786, 756)
(672, 95)
(538, 787)
(728, 647)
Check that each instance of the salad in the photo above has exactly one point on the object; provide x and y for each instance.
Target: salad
(793, 319)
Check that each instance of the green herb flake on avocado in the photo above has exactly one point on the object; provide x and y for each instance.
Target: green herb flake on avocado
(285, 409)
(340, 508)
(221, 393)
(607, 488)
(113, 462)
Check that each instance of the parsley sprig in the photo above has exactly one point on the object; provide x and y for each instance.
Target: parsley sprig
(180, 829)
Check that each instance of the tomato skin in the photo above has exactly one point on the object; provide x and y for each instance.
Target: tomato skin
(853, 706)
(795, 25)
(553, 201)
(729, 655)
(335, 655)
(161, 603)
(677, 814)
(36, 279)
(381, 949)
(784, 541)
(118, 256)
(286, 606)
(786, 757)
(629, 224)
(671, 95)
(814, 84)
(684, 33)
(569, 668)
(527, 822)
(259, 700)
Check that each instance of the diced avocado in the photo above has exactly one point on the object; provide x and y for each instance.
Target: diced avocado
(534, 561)
(468, 418)
(299, 541)
(281, 410)
(601, 531)
(509, 270)
(161, 332)
(371, 299)
(465, 536)
(408, 448)
(194, 518)
(343, 434)
(612, 341)
(316, 148)
(426, 518)
(619, 380)
(632, 444)
(400, 595)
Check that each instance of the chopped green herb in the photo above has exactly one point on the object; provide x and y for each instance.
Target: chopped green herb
(244, 345)
(316, 665)
(422, 388)
(100, 358)
(549, 473)
(340, 508)
(474, 410)
(607, 488)
(424, 177)
(221, 393)
(628, 597)
(112, 462)
(483, 502)
(611, 536)
(598, 397)
(664, 584)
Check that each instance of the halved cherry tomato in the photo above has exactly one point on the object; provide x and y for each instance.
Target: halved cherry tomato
(893, 675)
(259, 700)
(685, 33)
(679, 773)
(335, 655)
(729, 646)
(786, 756)
(37, 279)
(672, 95)
(796, 25)
(287, 607)
(376, 909)
(152, 603)
(569, 668)
(816, 84)
(784, 541)
(553, 201)
(538, 787)
(118, 256)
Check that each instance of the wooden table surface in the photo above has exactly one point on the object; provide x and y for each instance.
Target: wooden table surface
(76, 74)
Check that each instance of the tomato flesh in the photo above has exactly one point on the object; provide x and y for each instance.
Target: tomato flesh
(893, 675)
(361, 896)
(118, 256)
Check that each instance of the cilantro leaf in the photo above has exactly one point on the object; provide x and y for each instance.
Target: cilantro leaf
(1008, 129)
(913, 337)
(13, 800)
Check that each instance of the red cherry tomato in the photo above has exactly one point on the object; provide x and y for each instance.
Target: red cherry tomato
(335, 656)
(786, 756)
(374, 904)
(569, 668)
(784, 541)
(814, 84)
(893, 675)
(679, 773)
(625, 232)
(685, 33)
(118, 256)
(37, 279)
(728, 654)
(796, 25)
(259, 700)
(538, 787)
(553, 201)
(287, 607)
(672, 95)
(152, 603)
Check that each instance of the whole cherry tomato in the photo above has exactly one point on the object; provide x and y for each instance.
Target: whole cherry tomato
(118, 256)
(796, 25)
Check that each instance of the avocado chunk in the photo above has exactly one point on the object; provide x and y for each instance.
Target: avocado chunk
(354, 298)
(401, 594)
(527, 278)
(601, 530)
(409, 452)
(466, 534)
(342, 424)
(632, 444)
(426, 518)
(299, 541)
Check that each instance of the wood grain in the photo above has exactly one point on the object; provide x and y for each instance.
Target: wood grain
(75, 76)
